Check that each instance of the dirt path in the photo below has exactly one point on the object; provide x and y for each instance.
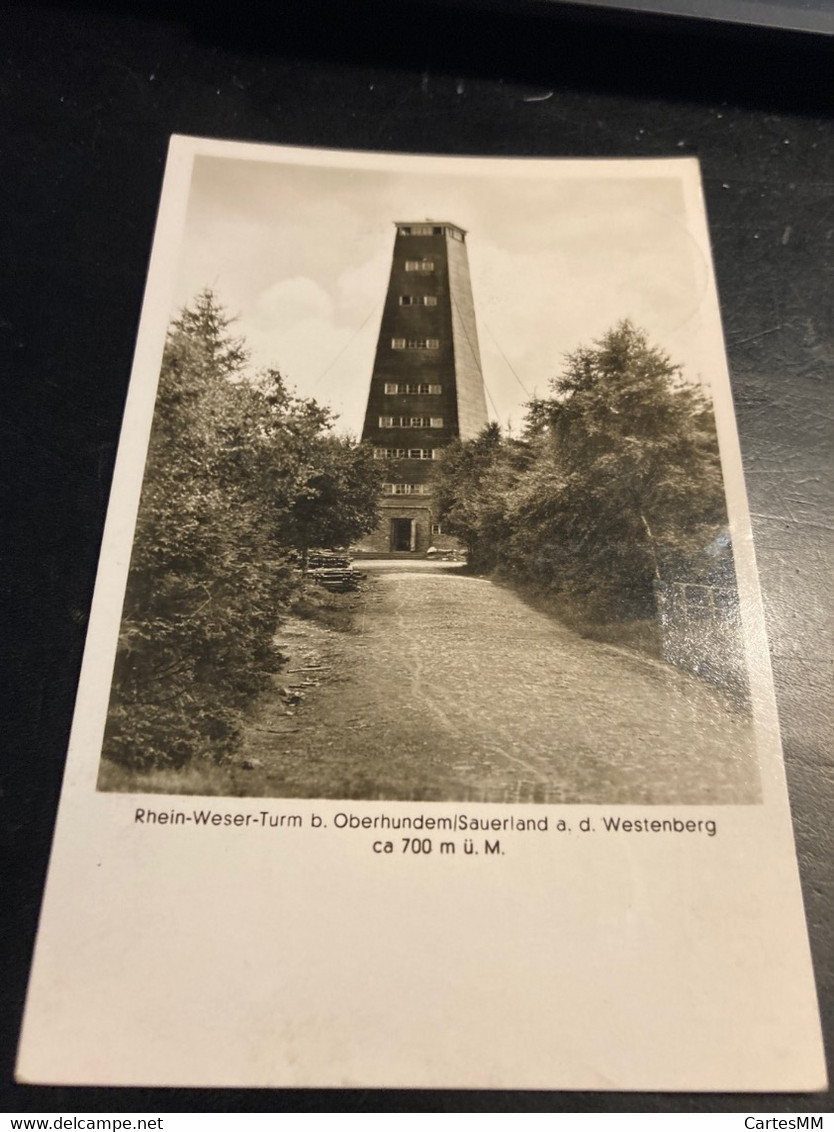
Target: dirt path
(451, 688)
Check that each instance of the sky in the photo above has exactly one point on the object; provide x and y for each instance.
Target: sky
(300, 254)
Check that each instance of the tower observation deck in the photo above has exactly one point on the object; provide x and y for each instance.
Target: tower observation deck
(427, 385)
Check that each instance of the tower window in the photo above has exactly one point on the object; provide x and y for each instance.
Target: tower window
(421, 230)
(406, 489)
(415, 343)
(411, 422)
(423, 265)
(418, 300)
(393, 387)
(406, 453)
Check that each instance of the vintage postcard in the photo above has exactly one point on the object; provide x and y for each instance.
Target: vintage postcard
(426, 735)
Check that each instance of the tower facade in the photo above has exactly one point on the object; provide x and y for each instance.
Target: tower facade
(427, 386)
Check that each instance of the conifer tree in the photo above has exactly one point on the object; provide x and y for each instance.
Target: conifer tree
(232, 461)
(626, 488)
(615, 486)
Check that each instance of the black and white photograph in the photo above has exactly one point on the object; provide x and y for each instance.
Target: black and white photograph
(425, 734)
(433, 507)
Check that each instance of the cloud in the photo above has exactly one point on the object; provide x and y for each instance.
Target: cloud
(361, 289)
(282, 306)
(293, 328)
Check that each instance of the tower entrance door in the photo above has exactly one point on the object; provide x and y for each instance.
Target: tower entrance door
(402, 534)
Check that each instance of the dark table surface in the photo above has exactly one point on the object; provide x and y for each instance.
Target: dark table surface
(90, 96)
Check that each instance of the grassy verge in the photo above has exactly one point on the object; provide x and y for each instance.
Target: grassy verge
(717, 658)
(642, 636)
(201, 777)
(333, 611)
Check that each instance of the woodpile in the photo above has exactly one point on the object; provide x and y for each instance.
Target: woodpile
(333, 571)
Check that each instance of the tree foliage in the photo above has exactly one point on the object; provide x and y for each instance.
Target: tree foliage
(620, 484)
(335, 497)
(231, 462)
(473, 484)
